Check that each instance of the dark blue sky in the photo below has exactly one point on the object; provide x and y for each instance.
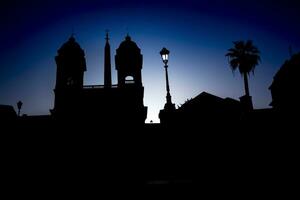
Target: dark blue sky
(198, 34)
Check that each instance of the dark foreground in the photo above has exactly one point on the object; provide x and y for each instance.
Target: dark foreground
(67, 159)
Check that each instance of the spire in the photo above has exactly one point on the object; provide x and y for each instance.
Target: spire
(73, 33)
(72, 37)
(107, 38)
(128, 38)
(107, 63)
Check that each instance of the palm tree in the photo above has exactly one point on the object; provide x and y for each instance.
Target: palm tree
(245, 57)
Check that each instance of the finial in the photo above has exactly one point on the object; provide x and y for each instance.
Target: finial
(72, 34)
(126, 30)
(72, 38)
(127, 37)
(107, 38)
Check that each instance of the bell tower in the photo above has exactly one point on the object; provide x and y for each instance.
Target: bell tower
(129, 61)
(71, 66)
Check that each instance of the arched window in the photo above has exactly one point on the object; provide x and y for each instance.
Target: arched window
(129, 80)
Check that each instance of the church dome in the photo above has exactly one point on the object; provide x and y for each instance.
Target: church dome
(70, 54)
(71, 47)
(128, 57)
(128, 46)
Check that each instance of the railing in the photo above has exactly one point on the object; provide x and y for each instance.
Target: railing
(129, 82)
(97, 86)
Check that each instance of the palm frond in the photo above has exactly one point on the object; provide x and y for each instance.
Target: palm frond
(243, 56)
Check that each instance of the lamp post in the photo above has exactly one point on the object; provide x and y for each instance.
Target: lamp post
(165, 58)
(19, 105)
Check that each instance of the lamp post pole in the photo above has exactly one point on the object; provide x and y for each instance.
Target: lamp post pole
(169, 100)
(165, 58)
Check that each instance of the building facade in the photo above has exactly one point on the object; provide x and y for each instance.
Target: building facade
(284, 86)
(120, 103)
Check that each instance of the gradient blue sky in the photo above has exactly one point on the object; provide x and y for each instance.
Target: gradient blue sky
(198, 34)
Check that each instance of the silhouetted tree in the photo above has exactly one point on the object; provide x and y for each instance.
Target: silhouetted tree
(245, 57)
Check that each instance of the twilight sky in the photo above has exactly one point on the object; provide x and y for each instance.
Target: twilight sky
(197, 32)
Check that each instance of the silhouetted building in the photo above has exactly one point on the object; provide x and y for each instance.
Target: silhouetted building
(7, 113)
(104, 103)
(205, 108)
(285, 86)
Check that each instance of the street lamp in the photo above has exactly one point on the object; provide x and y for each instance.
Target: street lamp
(19, 105)
(165, 58)
(165, 55)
